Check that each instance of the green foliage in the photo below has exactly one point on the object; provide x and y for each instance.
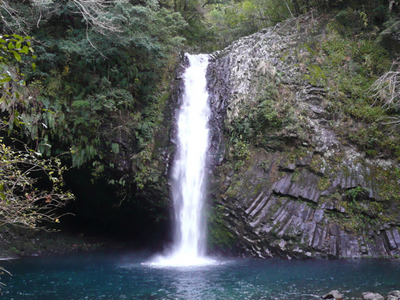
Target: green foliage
(22, 202)
(268, 122)
(361, 212)
(96, 91)
(228, 20)
(260, 116)
(390, 188)
(365, 12)
(356, 193)
(240, 153)
(316, 76)
(13, 48)
(295, 176)
(233, 19)
(144, 173)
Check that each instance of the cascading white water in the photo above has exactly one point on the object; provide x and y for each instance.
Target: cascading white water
(189, 169)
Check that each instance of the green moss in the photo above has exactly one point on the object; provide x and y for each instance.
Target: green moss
(219, 235)
(361, 213)
(346, 170)
(323, 183)
(234, 188)
(316, 76)
(295, 153)
(296, 176)
(316, 163)
(387, 182)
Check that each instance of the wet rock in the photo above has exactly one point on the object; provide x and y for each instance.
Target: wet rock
(393, 295)
(372, 296)
(335, 294)
(363, 250)
(391, 241)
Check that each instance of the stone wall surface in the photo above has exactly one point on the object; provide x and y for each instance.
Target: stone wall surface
(315, 196)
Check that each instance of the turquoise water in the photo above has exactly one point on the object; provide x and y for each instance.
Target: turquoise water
(124, 276)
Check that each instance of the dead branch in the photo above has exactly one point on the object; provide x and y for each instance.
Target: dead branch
(386, 89)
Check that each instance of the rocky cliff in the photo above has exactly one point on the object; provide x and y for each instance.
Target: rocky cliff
(286, 181)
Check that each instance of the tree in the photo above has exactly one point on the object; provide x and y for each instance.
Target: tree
(232, 19)
(22, 202)
(94, 94)
(94, 12)
(86, 94)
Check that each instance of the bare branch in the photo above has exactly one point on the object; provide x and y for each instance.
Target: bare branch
(386, 88)
(21, 202)
(15, 16)
(94, 13)
(386, 91)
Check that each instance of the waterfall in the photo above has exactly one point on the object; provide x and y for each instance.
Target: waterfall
(189, 169)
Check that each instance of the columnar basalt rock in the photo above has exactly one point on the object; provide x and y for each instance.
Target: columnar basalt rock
(312, 195)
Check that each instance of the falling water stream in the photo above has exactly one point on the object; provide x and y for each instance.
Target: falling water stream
(189, 169)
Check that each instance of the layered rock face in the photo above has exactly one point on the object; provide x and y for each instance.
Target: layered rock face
(292, 187)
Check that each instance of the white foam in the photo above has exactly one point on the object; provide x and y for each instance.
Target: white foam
(180, 260)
